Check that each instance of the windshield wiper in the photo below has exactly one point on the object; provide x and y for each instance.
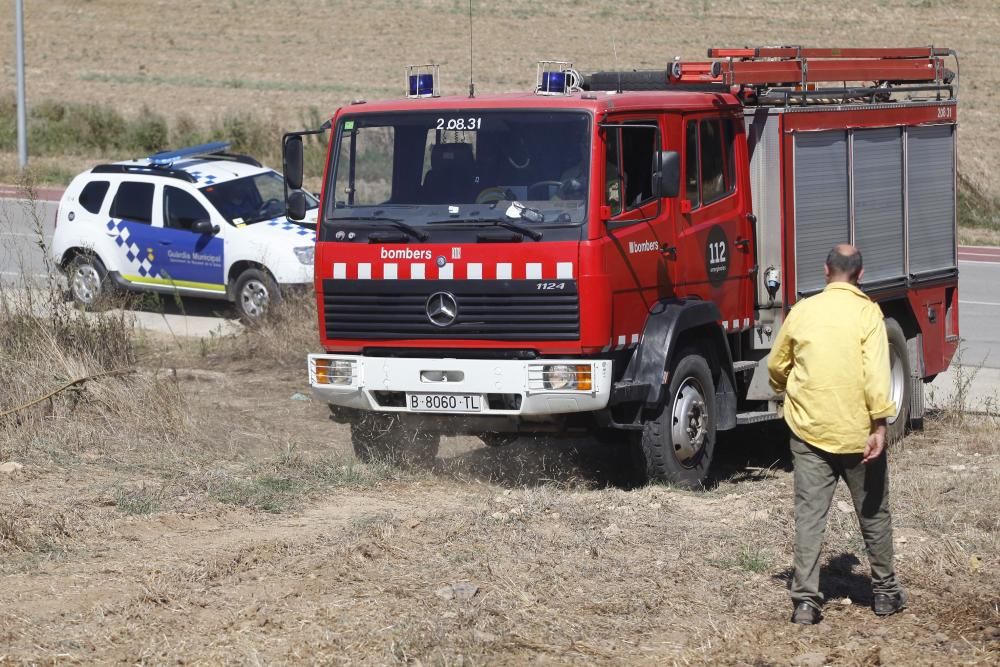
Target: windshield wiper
(398, 224)
(493, 222)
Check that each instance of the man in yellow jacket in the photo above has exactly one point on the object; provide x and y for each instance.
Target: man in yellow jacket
(831, 358)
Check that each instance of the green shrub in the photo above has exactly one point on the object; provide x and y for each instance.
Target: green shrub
(187, 132)
(8, 123)
(247, 133)
(148, 133)
(975, 207)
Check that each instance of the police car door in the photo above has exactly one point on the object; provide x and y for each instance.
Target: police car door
(192, 259)
(130, 226)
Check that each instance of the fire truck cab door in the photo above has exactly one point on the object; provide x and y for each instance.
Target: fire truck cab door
(714, 234)
(638, 226)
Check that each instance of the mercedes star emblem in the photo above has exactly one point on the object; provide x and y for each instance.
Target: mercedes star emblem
(442, 309)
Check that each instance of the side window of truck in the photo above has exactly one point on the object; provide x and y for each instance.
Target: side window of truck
(712, 155)
(691, 168)
(612, 172)
(631, 176)
(710, 172)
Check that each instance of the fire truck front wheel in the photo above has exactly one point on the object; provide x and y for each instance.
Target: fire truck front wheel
(378, 438)
(677, 443)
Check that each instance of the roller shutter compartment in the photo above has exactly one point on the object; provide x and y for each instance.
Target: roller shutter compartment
(878, 203)
(822, 203)
(931, 198)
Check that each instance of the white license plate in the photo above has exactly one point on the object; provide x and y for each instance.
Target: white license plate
(444, 402)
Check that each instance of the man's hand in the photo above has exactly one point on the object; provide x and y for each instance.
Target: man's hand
(876, 443)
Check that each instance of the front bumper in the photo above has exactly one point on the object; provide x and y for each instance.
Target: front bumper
(507, 387)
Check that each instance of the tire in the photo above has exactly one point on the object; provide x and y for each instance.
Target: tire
(254, 293)
(88, 280)
(899, 381)
(676, 445)
(378, 438)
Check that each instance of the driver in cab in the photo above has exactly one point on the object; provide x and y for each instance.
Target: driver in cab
(575, 178)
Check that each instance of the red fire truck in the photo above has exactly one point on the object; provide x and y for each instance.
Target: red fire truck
(614, 252)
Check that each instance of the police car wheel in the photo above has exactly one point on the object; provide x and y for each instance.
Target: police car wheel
(255, 293)
(677, 443)
(88, 281)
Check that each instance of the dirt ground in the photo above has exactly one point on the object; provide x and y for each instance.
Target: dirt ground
(278, 59)
(252, 536)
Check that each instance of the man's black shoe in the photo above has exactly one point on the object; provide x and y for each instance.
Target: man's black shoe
(805, 614)
(884, 604)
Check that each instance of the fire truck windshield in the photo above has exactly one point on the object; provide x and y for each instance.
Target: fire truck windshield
(420, 167)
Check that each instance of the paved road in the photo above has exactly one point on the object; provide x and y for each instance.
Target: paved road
(979, 312)
(20, 224)
(23, 264)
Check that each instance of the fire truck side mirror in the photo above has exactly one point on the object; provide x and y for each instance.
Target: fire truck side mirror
(667, 174)
(295, 207)
(292, 159)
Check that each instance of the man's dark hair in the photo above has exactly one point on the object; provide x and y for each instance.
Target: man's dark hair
(849, 265)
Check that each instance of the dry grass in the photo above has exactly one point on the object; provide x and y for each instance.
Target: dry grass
(258, 539)
(46, 344)
(196, 511)
(981, 236)
(192, 59)
(285, 339)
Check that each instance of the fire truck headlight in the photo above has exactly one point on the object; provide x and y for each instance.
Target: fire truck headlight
(568, 378)
(560, 376)
(306, 253)
(334, 371)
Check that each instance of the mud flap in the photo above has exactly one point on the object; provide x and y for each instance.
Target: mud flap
(644, 376)
(914, 349)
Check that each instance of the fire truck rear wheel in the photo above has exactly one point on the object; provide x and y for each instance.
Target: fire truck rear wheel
(676, 445)
(899, 382)
(378, 438)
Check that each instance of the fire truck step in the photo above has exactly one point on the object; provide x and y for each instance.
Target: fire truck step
(755, 417)
(744, 366)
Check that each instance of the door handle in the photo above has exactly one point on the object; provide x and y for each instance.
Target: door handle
(742, 244)
(164, 242)
(669, 250)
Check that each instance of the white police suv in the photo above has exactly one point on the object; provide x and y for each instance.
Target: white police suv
(197, 221)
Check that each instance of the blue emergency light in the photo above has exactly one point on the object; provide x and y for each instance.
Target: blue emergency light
(421, 81)
(556, 77)
(554, 82)
(167, 158)
(421, 84)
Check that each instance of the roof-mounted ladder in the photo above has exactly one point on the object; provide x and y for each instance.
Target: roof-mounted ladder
(776, 73)
(790, 66)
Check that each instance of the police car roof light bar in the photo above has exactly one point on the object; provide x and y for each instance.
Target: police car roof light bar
(165, 158)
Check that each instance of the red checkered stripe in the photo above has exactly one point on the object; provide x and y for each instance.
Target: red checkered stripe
(452, 271)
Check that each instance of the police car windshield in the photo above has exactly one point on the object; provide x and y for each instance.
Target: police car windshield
(423, 166)
(251, 198)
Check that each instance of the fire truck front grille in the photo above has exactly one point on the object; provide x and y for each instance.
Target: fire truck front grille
(521, 310)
